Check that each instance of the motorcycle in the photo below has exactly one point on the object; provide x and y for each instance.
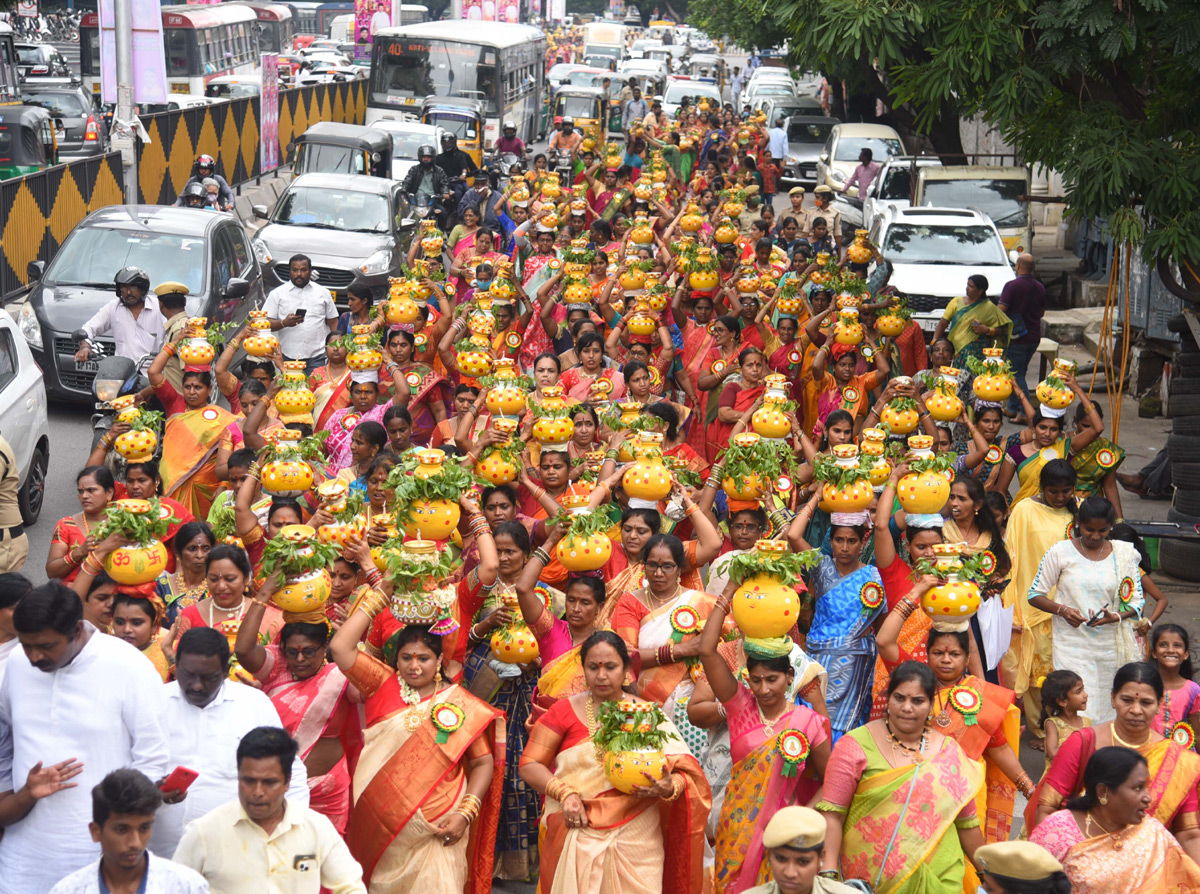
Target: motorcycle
(500, 167)
(115, 376)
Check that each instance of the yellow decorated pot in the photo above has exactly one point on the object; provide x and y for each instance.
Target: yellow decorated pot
(195, 350)
(304, 593)
(506, 400)
(135, 565)
(889, 324)
(387, 522)
(944, 406)
(136, 446)
(295, 402)
(769, 420)
(627, 770)
(860, 251)
(923, 492)
(584, 553)
(477, 359)
(992, 387)
(900, 420)
(553, 430)
(642, 233)
(763, 607)
(339, 532)
(703, 280)
(641, 323)
(515, 644)
(847, 330)
(648, 478)
(401, 309)
(432, 519)
(633, 279)
(725, 234)
(952, 601)
(287, 477)
(751, 488)
(852, 497)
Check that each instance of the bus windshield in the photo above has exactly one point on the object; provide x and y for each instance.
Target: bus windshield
(419, 67)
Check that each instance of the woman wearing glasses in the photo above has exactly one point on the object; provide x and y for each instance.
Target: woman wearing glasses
(310, 695)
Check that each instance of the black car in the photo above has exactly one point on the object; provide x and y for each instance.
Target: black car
(85, 132)
(40, 60)
(206, 250)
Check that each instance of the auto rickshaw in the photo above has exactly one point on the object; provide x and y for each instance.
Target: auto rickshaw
(586, 105)
(331, 148)
(28, 141)
(709, 68)
(462, 117)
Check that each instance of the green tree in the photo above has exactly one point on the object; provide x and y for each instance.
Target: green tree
(1103, 91)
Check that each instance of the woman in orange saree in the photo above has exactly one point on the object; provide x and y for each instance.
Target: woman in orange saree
(191, 436)
(736, 398)
(718, 368)
(1174, 769)
(697, 341)
(899, 799)
(1105, 839)
(595, 838)
(426, 780)
(330, 383)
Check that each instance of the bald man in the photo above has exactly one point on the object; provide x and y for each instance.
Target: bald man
(1024, 300)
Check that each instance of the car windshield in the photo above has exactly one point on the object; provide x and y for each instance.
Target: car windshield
(995, 198)
(849, 148)
(93, 255)
(577, 107)
(772, 89)
(976, 246)
(29, 55)
(897, 184)
(67, 103)
(405, 145)
(808, 131)
(333, 209)
(462, 127)
(676, 92)
(560, 71)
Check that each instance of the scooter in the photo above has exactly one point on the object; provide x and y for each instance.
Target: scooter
(115, 376)
(564, 168)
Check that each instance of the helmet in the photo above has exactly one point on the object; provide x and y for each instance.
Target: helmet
(508, 125)
(425, 150)
(206, 161)
(132, 276)
(449, 139)
(568, 122)
(193, 191)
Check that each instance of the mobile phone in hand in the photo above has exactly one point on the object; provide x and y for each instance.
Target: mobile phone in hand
(178, 781)
(301, 312)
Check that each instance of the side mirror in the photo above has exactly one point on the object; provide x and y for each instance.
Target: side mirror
(407, 223)
(34, 270)
(260, 211)
(236, 289)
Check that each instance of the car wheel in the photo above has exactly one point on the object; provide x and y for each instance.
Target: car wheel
(33, 492)
(1180, 558)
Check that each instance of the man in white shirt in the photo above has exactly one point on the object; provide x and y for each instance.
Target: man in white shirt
(777, 141)
(303, 313)
(206, 718)
(123, 807)
(132, 318)
(263, 843)
(70, 692)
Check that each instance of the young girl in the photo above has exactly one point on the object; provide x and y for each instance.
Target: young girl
(1169, 649)
(1063, 697)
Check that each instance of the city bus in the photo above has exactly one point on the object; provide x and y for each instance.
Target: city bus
(500, 64)
(413, 14)
(200, 42)
(315, 17)
(276, 26)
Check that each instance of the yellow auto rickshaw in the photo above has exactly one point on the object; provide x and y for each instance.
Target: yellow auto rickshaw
(587, 105)
(461, 117)
(707, 67)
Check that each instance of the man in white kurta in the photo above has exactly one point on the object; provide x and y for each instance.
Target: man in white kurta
(88, 696)
(206, 717)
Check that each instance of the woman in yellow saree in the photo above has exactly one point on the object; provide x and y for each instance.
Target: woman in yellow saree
(899, 799)
(972, 322)
(426, 784)
(191, 436)
(1108, 840)
(595, 838)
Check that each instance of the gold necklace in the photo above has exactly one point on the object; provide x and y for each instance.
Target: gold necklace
(1117, 841)
(917, 753)
(659, 602)
(769, 725)
(943, 717)
(1117, 738)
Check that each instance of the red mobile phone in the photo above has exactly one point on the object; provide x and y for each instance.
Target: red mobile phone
(178, 780)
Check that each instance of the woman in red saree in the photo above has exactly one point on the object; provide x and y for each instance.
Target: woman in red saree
(595, 838)
(310, 695)
(330, 383)
(191, 436)
(428, 391)
(427, 777)
(737, 397)
(697, 342)
(69, 544)
(717, 367)
(837, 387)
(578, 381)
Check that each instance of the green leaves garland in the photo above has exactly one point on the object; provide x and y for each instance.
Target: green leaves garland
(510, 451)
(284, 558)
(609, 735)
(218, 333)
(448, 484)
(354, 506)
(938, 463)
(147, 420)
(414, 576)
(223, 521)
(540, 412)
(825, 468)
(523, 382)
(683, 474)
(138, 528)
(901, 403)
(310, 449)
(585, 524)
(765, 459)
(980, 367)
(785, 567)
(972, 568)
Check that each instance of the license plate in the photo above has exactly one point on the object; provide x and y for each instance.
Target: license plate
(90, 366)
(929, 325)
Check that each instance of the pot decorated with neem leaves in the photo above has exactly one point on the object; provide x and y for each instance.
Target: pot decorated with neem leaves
(427, 486)
(144, 523)
(751, 465)
(629, 735)
(300, 561)
(766, 605)
(847, 482)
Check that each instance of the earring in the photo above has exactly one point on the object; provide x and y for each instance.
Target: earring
(1104, 800)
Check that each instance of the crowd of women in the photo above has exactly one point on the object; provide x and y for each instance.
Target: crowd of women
(446, 767)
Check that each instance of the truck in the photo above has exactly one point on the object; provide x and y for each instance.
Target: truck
(603, 42)
(998, 191)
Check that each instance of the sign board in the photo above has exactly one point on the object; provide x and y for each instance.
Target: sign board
(369, 17)
(27, 8)
(149, 57)
(492, 10)
(269, 111)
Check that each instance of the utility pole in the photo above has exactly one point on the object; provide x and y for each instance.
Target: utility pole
(124, 137)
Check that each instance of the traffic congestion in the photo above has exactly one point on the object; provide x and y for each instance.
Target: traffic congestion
(602, 459)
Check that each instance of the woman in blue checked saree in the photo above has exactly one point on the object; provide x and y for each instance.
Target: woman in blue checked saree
(849, 597)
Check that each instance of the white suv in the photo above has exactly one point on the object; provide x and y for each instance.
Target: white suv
(934, 250)
(23, 420)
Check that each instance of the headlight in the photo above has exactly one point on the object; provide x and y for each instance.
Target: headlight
(262, 252)
(838, 177)
(793, 160)
(107, 389)
(377, 263)
(27, 322)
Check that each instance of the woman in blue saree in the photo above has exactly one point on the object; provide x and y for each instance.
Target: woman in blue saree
(848, 597)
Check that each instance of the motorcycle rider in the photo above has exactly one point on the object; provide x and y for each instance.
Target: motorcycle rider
(194, 196)
(509, 142)
(205, 166)
(132, 318)
(568, 138)
(453, 160)
(426, 180)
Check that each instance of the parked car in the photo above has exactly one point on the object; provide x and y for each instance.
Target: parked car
(786, 106)
(806, 138)
(934, 250)
(354, 227)
(36, 61)
(996, 190)
(84, 131)
(692, 89)
(407, 137)
(846, 141)
(894, 185)
(23, 420)
(208, 252)
(238, 86)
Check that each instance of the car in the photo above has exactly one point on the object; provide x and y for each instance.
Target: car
(840, 156)
(755, 95)
(806, 137)
(642, 67)
(84, 131)
(322, 73)
(894, 185)
(691, 89)
(560, 71)
(934, 250)
(207, 251)
(775, 107)
(355, 228)
(23, 417)
(237, 86)
(37, 61)
(407, 137)
(637, 50)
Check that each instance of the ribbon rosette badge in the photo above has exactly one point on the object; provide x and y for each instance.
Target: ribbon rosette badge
(987, 561)
(447, 717)
(792, 746)
(684, 621)
(1183, 735)
(850, 394)
(513, 339)
(966, 701)
(349, 421)
(1125, 590)
(994, 455)
(1105, 458)
(871, 596)
(794, 357)
(421, 340)
(718, 367)
(413, 379)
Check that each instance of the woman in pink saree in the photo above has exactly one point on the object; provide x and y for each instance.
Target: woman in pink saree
(578, 381)
(311, 696)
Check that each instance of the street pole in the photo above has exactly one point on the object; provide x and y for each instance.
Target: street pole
(123, 138)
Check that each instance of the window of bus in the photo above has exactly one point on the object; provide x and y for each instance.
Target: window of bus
(416, 68)
(176, 42)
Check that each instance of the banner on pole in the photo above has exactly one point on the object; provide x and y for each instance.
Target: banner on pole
(369, 17)
(149, 56)
(269, 111)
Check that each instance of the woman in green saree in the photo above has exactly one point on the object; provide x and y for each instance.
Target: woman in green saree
(897, 783)
(973, 323)
(1097, 463)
